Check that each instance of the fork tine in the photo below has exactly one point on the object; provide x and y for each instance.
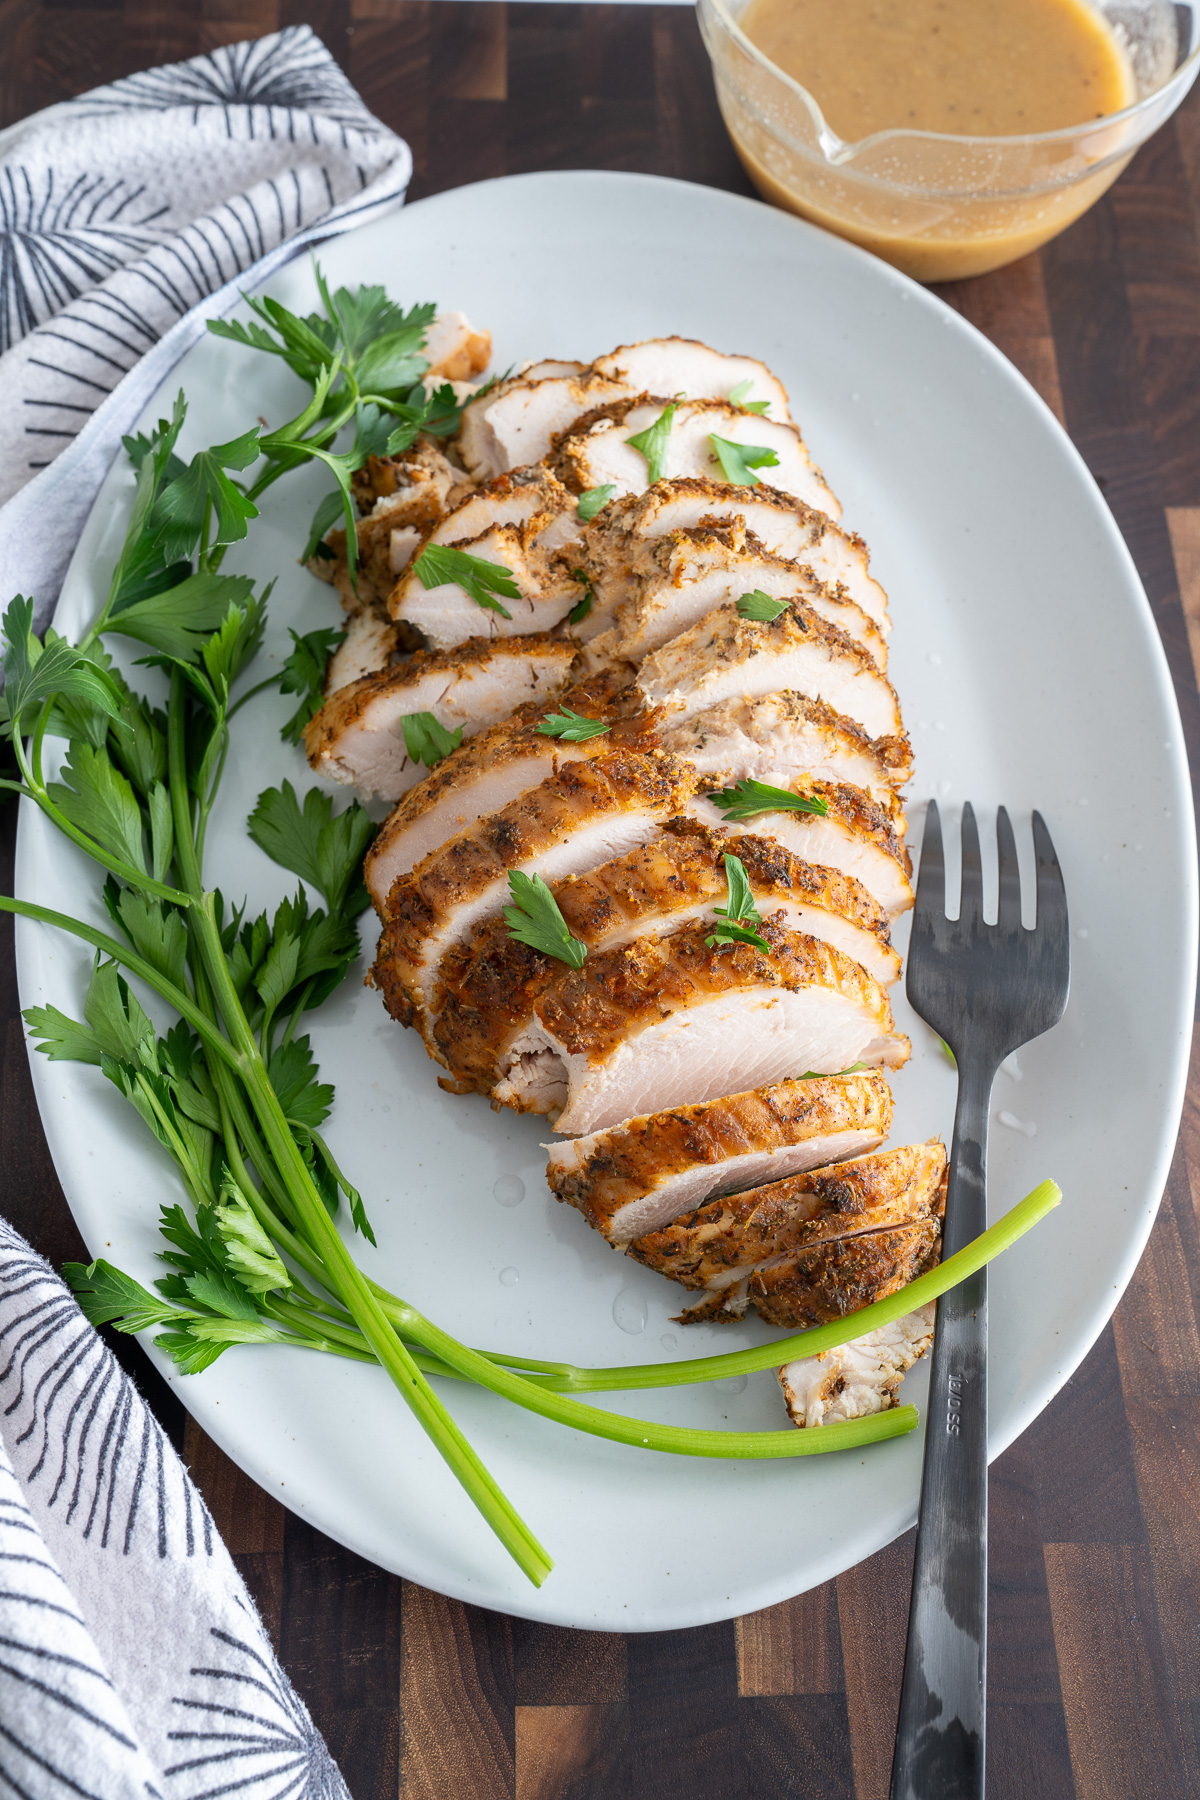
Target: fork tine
(1052, 921)
(1008, 914)
(931, 876)
(970, 906)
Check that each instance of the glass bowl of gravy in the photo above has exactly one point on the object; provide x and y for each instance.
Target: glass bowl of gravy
(947, 136)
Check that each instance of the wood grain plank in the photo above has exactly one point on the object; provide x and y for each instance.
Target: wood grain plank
(456, 1703)
(873, 1617)
(795, 1747)
(1022, 1665)
(792, 1648)
(1123, 1741)
(692, 143)
(1156, 1328)
(1157, 241)
(478, 66)
(247, 1517)
(1010, 308)
(553, 1666)
(1028, 1755)
(1080, 1447)
(572, 1752)
(1183, 525)
(684, 1715)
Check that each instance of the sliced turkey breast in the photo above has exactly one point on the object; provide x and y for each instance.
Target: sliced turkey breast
(358, 735)
(446, 615)
(515, 422)
(858, 1378)
(597, 451)
(775, 738)
(831, 1280)
(541, 371)
(855, 834)
(368, 646)
(676, 365)
(780, 522)
(667, 1021)
(455, 349)
(489, 987)
(681, 578)
(726, 1239)
(513, 499)
(493, 767)
(724, 656)
(583, 815)
(400, 497)
(638, 1176)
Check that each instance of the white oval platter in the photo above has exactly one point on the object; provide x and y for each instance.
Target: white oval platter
(1030, 672)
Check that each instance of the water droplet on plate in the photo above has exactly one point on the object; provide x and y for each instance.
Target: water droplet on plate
(935, 659)
(509, 1190)
(1012, 1068)
(1014, 1124)
(629, 1311)
(736, 1384)
(509, 1277)
(668, 1340)
(1082, 932)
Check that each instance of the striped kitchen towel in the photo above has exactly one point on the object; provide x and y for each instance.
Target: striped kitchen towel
(128, 217)
(132, 1661)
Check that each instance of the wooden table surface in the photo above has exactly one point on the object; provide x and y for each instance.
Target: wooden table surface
(1095, 1525)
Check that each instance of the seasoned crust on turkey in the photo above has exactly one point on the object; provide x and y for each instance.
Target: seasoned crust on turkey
(664, 1021)
(637, 1176)
(724, 656)
(777, 738)
(358, 735)
(828, 1281)
(581, 816)
(725, 1239)
(497, 764)
(488, 987)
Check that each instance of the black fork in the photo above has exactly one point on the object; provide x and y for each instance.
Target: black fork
(985, 989)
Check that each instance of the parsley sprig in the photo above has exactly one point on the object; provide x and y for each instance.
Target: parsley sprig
(426, 739)
(653, 443)
(760, 607)
(738, 397)
(739, 461)
(534, 919)
(575, 728)
(746, 799)
(480, 579)
(594, 500)
(739, 905)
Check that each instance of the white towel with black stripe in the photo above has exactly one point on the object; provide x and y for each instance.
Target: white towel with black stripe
(127, 217)
(132, 1660)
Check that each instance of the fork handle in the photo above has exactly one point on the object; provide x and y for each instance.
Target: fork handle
(940, 1733)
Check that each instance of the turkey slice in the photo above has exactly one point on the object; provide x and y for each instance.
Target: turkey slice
(489, 987)
(858, 1378)
(775, 738)
(832, 1280)
(854, 834)
(454, 349)
(493, 767)
(581, 816)
(446, 615)
(597, 451)
(368, 646)
(676, 365)
(679, 579)
(780, 522)
(358, 735)
(726, 1239)
(515, 422)
(640, 1175)
(670, 1021)
(724, 655)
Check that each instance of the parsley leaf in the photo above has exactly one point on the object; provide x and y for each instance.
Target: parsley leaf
(33, 674)
(571, 726)
(426, 739)
(739, 461)
(108, 1297)
(653, 443)
(331, 509)
(437, 415)
(181, 511)
(583, 607)
(737, 396)
(535, 920)
(304, 673)
(176, 622)
(98, 800)
(760, 607)
(740, 905)
(323, 849)
(594, 500)
(482, 580)
(747, 798)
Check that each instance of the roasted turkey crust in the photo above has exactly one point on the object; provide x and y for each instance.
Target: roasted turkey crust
(891, 755)
(590, 1011)
(490, 987)
(738, 1231)
(833, 1280)
(629, 1161)
(474, 860)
